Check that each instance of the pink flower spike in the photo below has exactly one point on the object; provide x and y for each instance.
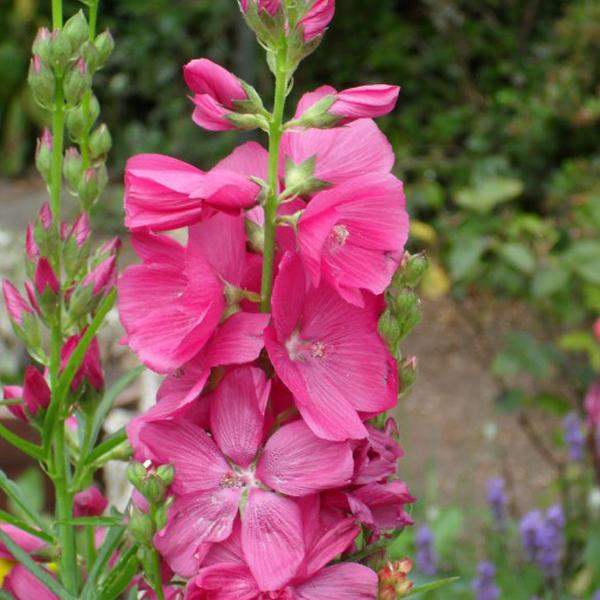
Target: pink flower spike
(45, 278)
(103, 277)
(36, 392)
(157, 192)
(329, 354)
(80, 231)
(89, 503)
(215, 89)
(315, 21)
(353, 235)
(91, 368)
(16, 305)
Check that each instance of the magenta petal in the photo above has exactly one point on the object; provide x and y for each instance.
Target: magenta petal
(237, 413)
(297, 463)
(199, 464)
(272, 538)
(23, 585)
(26, 541)
(226, 581)
(195, 521)
(249, 159)
(346, 581)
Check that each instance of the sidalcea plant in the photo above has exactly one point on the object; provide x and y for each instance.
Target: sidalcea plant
(268, 466)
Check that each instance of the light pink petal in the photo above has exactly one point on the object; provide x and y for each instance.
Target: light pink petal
(237, 413)
(227, 191)
(249, 159)
(224, 581)
(26, 541)
(210, 114)
(199, 464)
(297, 463)
(24, 586)
(156, 193)
(272, 538)
(345, 581)
(317, 18)
(163, 249)
(342, 153)
(239, 340)
(203, 76)
(367, 101)
(195, 521)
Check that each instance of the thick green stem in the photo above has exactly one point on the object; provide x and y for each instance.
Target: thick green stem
(57, 15)
(271, 203)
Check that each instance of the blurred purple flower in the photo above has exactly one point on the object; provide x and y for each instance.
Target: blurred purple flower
(426, 556)
(574, 437)
(484, 584)
(496, 497)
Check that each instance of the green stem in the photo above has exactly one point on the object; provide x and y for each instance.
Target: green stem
(90, 543)
(85, 138)
(271, 203)
(57, 16)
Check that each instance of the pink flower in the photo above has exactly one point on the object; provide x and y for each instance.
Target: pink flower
(353, 235)
(25, 586)
(89, 503)
(212, 474)
(363, 102)
(339, 154)
(597, 329)
(376, 457)
(172, 303)
(592, 405)
(316, 20)
(91, 368)
(35, 395)
(45, 279)
(16, 305)
(329, 354)
(26, 541)
(215, 91)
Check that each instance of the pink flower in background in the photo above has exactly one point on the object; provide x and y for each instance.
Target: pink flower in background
(597, 329)
(340, 154)
(212, 474)
(91, 368)
(329, 354)
(592, 405)
(89, 503)
(353, 235)
(215, 91)
(316, 20)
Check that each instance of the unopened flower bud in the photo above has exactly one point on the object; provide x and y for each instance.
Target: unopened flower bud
(256, 235)
(161, 514)
(76, 29)
(36, 392)
(42, 44)
(90, 370)
(60, 49)
(47, 288)
(90, 55)
(100, 142)
(23, 317)
(89, 293)
(42, 82)
(77, 81)
(43, 155)
(105, 44)
(393, 580)
(411, 270)
(16, 306)
(408, 373)
(89, 503)
(108, 249)
(42, 238)
(153, 489)
(92, 184)
(76, 248)
(136, 474)
(166, 474)
(78, 122)
(300, 179)
(391, 428)
(73, 168)
(141, 527)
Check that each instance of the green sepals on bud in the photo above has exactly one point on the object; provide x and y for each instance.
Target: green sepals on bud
(92, 184)
(247, 122)
(411, 270)
(73, 168)
(105, 44)
(100, 142)
(43, 155)
(408, 373)
(300, 179)
(136, 473)
(317, 116)
(253, 103)
(161, 514)
(60, 49)
(90, 55)
(76, 121)
(298, 49)
(166, 473)
(256, 235)
(77, 82)
(266, 27)
(42, 82)
(141, 527)
(42, 45)
(76, 29)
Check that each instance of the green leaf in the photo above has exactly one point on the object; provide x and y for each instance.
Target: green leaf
(31, 484)
(465, 255)
(122, 575)
(581, 341)
(549, 280)
(95, 521)
(511, 400)
(430, 587)
(518, 256)
(4, 595)
(32, 450)
(12, 490)
(107, 446)
(522, 354)
(489, 193)
(13, 520)
(40, 573)
(584, 258)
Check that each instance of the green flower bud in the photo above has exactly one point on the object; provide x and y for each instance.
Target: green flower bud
(92, 184)
(90, 55)
(78, 80)
(73, 168)
(300, 179)
(247, 122)
(105, 44)
(42, 82)
(100, 142)
(76, 30)
(166, 473)
(76, 121)
(60, 49)
(389, 330)
(141, 527)
(153, 489)
(42, 44)
(411, 270)
(161, 516)
(136, 473)
(43, 155)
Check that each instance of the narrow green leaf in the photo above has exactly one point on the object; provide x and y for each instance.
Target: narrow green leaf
(12, 490)
(32, 450)
(12, 520)
(40, 573)
(71, 368)
(435, 585)
(96, 521)
(121, 576)
(107, 446)
(4, 595)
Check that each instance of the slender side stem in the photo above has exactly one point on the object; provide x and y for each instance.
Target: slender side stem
(85, 138)
(271, 203)
(57, 16)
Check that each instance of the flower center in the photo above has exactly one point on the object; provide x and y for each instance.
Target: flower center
(340, 234)
(299, 349)
(233, 480)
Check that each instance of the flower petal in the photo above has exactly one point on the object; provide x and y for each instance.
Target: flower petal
(345, 581)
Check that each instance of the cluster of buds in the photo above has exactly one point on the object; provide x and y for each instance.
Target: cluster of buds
(60, 75)
(393, 580)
